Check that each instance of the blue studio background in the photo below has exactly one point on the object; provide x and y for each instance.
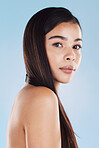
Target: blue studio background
(80, 97)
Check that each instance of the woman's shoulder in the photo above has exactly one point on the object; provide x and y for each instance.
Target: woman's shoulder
(32, 92)
(30, 96)
(36, 107)
(40, 115)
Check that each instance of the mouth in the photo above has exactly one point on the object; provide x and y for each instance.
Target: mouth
(68, 69)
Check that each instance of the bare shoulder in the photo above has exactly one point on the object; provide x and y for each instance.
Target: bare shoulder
(35, 115)
(38, 96)
(40, 116)
(30, 90)
(31, 97)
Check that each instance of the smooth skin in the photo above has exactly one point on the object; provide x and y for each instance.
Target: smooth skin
(64, 52)
(34, 118)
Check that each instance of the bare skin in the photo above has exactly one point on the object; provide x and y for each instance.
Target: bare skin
(64, 52)
(26, 123)
(24, 117)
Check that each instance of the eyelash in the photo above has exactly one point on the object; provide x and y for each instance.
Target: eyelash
(76, 46)
(73, 46)
(56, 44)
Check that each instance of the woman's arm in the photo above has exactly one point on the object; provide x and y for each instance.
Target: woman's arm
(41, 123)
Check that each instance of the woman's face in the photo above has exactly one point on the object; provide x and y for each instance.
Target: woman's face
(63, 46)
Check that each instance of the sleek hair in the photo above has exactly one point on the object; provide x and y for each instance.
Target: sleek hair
(38, 71)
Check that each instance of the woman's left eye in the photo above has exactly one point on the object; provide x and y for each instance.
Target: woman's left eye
(57, 44)
(77, 47)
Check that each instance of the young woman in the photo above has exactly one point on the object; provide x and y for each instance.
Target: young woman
(52, 53)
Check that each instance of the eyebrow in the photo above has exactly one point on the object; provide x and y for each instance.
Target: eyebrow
(64, 38)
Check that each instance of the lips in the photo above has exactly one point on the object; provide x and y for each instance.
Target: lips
(68, 69)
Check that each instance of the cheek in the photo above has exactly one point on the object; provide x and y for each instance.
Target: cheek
(54, 60)
(52, 56)
(78, 58)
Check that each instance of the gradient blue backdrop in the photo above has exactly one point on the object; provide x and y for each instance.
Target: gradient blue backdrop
(80, 97)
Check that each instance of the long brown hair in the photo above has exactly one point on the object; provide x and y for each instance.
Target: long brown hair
(38, 71)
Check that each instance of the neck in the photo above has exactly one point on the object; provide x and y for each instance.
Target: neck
(56, 83)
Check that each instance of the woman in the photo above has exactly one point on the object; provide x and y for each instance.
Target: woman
(52, 53)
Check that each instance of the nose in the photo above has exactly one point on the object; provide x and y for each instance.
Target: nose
(70, 55)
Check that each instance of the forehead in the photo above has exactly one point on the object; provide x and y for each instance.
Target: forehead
(66, 29)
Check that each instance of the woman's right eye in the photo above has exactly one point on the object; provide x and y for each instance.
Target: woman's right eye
(57, 44)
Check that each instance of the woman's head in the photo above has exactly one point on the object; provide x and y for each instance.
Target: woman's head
(63, 47)
(43, 58)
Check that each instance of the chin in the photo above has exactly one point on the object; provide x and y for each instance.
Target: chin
(65, 81)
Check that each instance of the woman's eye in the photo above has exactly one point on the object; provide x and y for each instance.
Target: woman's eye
(57, 44)
(77, 47)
